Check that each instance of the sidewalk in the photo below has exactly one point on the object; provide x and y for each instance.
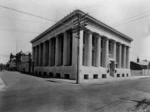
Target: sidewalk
(100, 81)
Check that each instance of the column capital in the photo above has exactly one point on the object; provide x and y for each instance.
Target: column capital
(97, 35)
(123, 45)
(118, 43)
(88, 31)
(104, 38)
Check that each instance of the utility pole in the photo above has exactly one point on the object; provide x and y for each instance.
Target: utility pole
(80, 21)
(78, 46)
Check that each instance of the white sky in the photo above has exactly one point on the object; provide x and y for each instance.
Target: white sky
(17, 29)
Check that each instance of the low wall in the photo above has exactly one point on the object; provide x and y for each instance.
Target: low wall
(140, 72)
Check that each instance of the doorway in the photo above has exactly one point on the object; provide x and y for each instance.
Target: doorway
(112, 68)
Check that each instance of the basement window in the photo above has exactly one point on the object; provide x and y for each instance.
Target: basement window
(67, 76)
(57, 75)
(95, 76)
(86, 76)
(50, 74)
(118, 75)
(103, 75)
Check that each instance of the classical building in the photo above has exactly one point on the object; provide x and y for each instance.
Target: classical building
(90, 52)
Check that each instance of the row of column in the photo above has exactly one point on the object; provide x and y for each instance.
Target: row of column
(56, 51)
(101, 51)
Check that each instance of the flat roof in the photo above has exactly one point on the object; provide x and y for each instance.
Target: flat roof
(74, 13)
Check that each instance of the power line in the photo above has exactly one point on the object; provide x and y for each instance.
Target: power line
(132, 20)
(25, 20)
(30, 14)
(133, 17)
(19, 31)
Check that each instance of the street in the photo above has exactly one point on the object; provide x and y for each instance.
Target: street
(26, 93)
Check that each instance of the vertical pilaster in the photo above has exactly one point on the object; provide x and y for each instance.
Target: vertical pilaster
(124, 56)
(49, 52)
(74, 49)
(44, 52)
(89, 45)
(56, 52)
(40, 55)
(80, 48)
(106, 51)
(65, 49)
(128, 57)
(114, 51)
(120, 54)
(98, 52)
(35, 56)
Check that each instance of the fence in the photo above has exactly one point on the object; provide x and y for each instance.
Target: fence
(140, 72)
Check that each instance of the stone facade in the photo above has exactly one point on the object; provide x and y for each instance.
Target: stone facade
(103, 51)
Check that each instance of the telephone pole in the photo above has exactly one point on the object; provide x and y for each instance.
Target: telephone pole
(80, 24)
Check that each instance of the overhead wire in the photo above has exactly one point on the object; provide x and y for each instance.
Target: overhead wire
(133, 17)
(30, 14)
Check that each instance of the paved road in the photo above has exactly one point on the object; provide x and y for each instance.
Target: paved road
(24, 93)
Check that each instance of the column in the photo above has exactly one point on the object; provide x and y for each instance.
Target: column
(120, 52)
(44, 52)
(40, 64)
(114, 52)
(56, 52)
(128, 57)
(89, 45)
(39, 55)
(106, 51)
(35, 56)
(124, 57)
(50, 52)
(74, 48)
(65, 49)
(80, 47)
(98, 53)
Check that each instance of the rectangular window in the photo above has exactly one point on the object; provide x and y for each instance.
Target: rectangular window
(58, 75)
(67, 76)
(50, 74)
(95, 76)
(122, 75)
(118, 75)
(86, 76)
(103, 75)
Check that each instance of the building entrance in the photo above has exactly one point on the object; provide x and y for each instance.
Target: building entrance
(112, 68)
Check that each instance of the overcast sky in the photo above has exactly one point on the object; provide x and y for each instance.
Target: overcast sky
(131, 17)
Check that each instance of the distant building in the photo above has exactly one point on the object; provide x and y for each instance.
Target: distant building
(12, 62)
(103, 51)
(23, 62)
(139, 64)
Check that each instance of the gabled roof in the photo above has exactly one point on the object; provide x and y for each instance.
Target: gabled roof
(75, 13)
